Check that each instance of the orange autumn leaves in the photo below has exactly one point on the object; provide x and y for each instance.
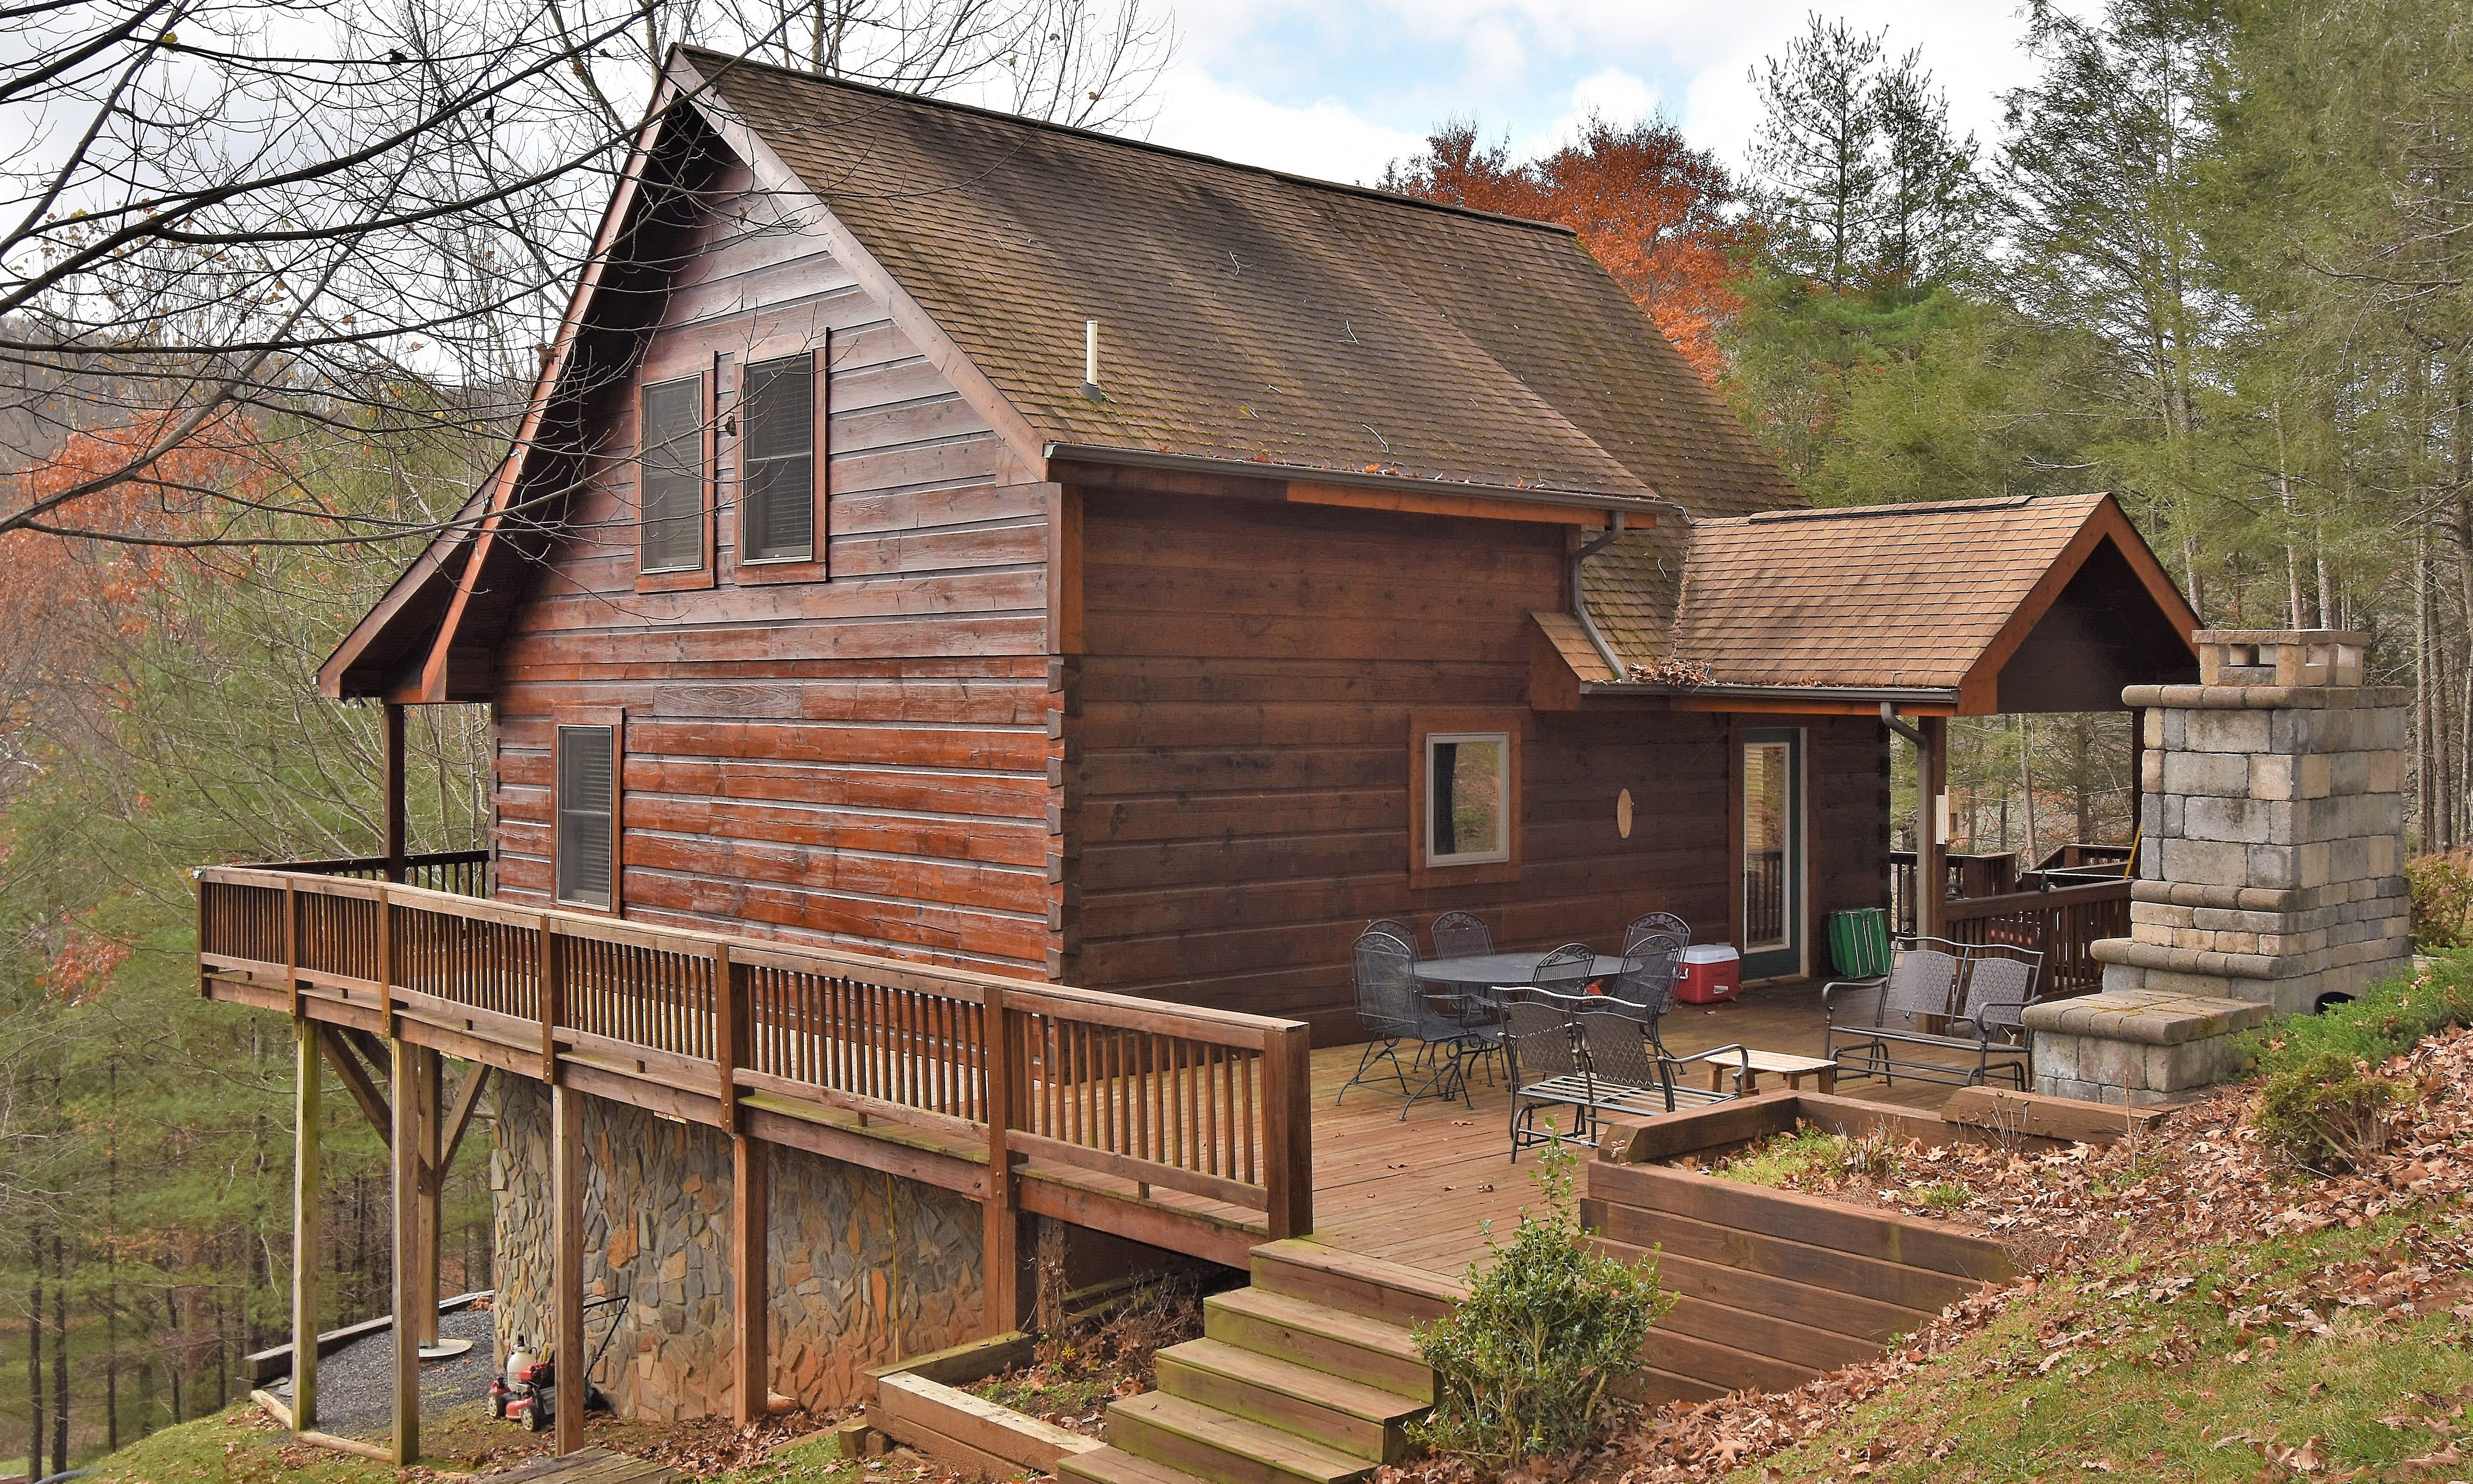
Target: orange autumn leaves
(1655, 211)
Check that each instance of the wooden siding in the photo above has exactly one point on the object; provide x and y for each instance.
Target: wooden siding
(1244, 698)
(861, 760)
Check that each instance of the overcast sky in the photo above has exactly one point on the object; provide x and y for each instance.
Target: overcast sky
(1337, 90)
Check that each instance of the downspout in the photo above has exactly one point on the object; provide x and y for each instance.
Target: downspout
(1581, 605)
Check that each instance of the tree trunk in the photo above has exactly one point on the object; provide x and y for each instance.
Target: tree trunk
(35, 1361)
(60, 1352)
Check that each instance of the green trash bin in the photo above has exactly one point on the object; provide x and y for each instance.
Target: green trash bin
(1859, 942)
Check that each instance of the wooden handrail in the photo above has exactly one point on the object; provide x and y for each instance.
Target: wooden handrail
(1209, 1103)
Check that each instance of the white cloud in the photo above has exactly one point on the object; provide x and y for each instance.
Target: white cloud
(1327, 138)
(1335, 91)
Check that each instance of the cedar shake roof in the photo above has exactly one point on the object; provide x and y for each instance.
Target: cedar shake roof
(1883, 596)
(1253, 316)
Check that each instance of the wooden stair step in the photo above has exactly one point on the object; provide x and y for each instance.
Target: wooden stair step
(1320, 1338)
(1332, 1410)
(1116, 1466)
(1388, 1291)
(1223, 1448)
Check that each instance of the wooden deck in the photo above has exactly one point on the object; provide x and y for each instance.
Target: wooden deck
(1420, 1191)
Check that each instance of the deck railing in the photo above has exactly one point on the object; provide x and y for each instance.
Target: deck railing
(461, 872)
(2061, 923)
(1209, 1103)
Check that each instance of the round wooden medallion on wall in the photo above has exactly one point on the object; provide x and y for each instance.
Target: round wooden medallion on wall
(1623, 814)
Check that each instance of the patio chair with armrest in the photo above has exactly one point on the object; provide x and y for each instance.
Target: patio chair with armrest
(1632, 1074)
(1392, 1006)
(1925, 983)
(1541, 1047)
(2000, 986)
(1646, 986)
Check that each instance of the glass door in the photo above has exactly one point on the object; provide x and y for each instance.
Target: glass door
(1772, 840)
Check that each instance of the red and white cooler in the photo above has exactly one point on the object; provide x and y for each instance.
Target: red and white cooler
(1711, 973)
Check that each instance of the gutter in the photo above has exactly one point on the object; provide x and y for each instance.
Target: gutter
(1884, 695)
(1567, 497)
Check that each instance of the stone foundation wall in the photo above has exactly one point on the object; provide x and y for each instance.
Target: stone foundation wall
(866, 1267)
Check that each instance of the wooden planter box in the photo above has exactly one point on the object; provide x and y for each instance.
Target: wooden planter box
(921, 1402)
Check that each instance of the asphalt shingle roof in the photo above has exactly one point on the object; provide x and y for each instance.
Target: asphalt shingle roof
(1881, 595)
(1255, 316)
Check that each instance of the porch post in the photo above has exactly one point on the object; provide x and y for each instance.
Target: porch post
(307, 1130)
(394, 851)
(566, 1283)
(1931, 855)
(407, 1144)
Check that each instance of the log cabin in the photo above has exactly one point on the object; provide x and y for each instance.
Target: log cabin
(977, 616)
(966, 539)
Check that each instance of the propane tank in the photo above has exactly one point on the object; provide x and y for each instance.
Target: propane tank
(519, 1361)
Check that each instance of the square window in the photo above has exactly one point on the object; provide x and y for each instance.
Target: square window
(1467, 798)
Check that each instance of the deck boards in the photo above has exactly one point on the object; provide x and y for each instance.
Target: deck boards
(1419, 1191)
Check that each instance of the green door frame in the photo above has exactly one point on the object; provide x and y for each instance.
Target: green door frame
(1782, 955)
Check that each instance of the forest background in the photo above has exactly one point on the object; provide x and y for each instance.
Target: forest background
(2215, 260)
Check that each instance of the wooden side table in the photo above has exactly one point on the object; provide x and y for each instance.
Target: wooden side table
(1793, 1068)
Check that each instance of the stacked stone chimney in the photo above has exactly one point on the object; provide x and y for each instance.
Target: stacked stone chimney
(2271, 830)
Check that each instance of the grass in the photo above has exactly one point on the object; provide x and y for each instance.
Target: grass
(238, 1446)
(2159, 1384)
(1783, 1159)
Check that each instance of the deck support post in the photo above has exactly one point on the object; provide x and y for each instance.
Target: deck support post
(1931, 852)
(308, 1129)
(1000, 1243)
(751, 1281)
(566, 1281)
(407, 1145)
(431, 1073)
(393, 729)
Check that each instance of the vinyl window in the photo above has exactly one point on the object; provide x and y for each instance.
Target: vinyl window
(1468, 798)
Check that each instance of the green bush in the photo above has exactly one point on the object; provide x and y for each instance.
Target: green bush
(2326, 1114)
(2442, 899)
(2390, 1017)
(1524, 1362)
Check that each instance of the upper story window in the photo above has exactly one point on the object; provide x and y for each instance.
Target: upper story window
(776, 493)
(670, 474)
(1468, 798)
(585, 844)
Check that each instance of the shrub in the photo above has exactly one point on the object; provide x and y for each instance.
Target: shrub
(2326, 1114)
(1524, 1362)
(2442, 899)
(2390, 1017)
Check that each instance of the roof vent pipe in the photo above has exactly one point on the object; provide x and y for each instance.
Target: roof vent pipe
(1580, 603)
(1091, 360)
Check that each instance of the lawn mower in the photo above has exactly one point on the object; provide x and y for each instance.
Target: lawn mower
(528, 1393)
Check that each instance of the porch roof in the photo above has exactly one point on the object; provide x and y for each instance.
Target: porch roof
(2032, 603)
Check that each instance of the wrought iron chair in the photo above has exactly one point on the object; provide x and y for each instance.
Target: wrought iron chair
(1546, 1069)
(1391, 1007)
(1460, 935)
(1567, 971)
(1648, 923)
(1395, 928)
(1646, 985)
(2000, 986)
(1628, 1072)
